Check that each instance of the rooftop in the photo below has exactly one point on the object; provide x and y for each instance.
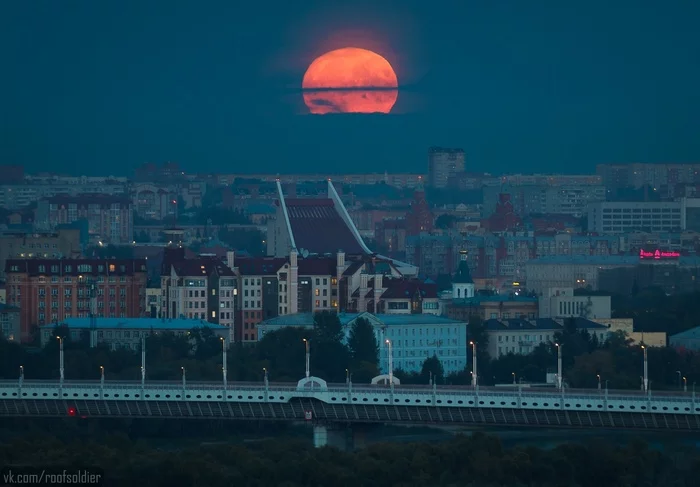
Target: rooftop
(539, 324)
(318, 227)
(307, 319)
(496, 298)
(178, 324)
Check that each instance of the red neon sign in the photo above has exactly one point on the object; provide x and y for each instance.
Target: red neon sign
(658, 254)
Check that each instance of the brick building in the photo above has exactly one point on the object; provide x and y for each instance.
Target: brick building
(51, 290)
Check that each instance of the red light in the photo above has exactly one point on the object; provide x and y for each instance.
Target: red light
(71, 411)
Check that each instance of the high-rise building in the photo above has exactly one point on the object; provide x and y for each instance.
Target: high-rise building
(444, 164)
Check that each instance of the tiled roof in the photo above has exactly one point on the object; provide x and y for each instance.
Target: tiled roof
(543, 324)
(496, 298)
(260, 266)
(69, 267)
(317, 266)
(202, 266)
(138, 324)
(404, 289)
(318, 228)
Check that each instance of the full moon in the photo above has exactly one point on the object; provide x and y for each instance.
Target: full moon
(350, 80)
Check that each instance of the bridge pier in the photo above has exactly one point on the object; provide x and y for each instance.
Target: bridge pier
(342, 437)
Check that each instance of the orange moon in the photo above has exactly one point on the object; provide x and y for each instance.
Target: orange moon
(350, 80)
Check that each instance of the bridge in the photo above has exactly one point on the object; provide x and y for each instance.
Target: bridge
(329, 406)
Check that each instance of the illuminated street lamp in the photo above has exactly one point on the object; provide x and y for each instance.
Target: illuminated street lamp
(391, 362)
(306, 346)
(60, 358)
(560, 382)
(645, 377)
(599, 385)
(223, 358)
(475, 376)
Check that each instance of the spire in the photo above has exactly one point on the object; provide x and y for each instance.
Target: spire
(462, 276)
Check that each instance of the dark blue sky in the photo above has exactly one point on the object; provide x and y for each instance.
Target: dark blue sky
(94, 87)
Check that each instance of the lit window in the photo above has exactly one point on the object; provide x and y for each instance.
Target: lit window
(213, 314)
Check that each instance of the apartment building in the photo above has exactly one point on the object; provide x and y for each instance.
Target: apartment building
(34, 188)
(110, 218)
(152, 202)
(64, 242)
(619, 217)
(51, 290)
(203, 288)
(443, 165)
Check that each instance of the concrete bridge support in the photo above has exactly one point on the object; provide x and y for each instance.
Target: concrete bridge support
(340, 436)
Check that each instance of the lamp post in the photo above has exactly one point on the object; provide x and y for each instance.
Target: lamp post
(21, 376)
(685, 384)
(265, 378)
(560, 382)
(184, 378)
(645, 377)
(143, 363)
(391, 362)
(678, 372)
(60, 359)
(475, 379)
(223, 359)
(599, 384)
(102, 376)
(347, 377)
(306, 346)
(514, 381)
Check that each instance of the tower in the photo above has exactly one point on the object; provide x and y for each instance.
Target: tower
(462, 283)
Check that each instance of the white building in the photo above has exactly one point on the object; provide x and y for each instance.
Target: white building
(561, 303)
(626, 216)
(414, 337)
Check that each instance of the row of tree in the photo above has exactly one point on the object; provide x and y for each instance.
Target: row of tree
(476, 461)
(337, 354)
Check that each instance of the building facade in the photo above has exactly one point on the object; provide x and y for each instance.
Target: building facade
(110, 218)
(612, 217)
(9, 323)
(51, 290)
(128, 333)
(443, 165)
(414, 338)
(62, 243)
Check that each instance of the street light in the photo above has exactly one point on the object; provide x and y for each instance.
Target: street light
(560, 382)
(645, 377)
(599, 385)
(685, 384)
(143, 363)
(391, 362)
(21, 375)
(306, 346)
(60, 358)
(184, 378)
(474, 370)
(265, 380)
(223, 358)
(679, 378)
(102, 376)
(514, 382)
(347, 376)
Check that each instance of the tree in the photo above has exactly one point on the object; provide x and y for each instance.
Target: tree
(327, 328)
(432, 368)
(363, 343)
(207, 344)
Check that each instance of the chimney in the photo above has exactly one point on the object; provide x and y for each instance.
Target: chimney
(230, 258)
(293, 258)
